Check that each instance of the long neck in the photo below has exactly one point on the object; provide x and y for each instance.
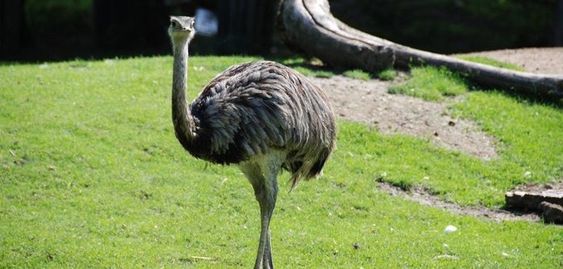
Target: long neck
(181, 115)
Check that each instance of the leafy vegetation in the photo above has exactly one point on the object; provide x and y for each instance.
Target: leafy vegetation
(91, 176)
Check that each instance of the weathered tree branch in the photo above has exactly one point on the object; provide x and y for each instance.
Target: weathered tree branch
(309, 26)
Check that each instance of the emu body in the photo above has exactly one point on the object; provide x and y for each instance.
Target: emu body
(261, 116)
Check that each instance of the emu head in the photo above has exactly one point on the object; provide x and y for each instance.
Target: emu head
(181, 28)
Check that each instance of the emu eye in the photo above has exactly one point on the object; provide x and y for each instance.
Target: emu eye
(174, 24)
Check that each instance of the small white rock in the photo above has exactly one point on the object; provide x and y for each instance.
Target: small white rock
(446, 256)
(450, 229)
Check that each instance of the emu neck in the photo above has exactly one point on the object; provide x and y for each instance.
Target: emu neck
(181, 115)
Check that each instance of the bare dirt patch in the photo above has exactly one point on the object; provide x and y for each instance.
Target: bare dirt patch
(369, 102)
(421, 196)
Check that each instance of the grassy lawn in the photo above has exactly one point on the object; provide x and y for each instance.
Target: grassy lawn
(528, 133)
(91, 176)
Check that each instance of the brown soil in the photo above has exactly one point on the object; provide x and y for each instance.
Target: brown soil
(368, 102)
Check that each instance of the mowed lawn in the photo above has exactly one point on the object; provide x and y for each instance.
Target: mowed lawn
(91, 176)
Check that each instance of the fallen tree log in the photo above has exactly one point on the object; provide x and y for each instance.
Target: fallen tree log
(309, 26)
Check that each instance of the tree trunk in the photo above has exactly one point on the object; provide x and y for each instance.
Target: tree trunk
(309, 26)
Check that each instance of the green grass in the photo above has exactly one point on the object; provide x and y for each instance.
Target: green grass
(91, 176)
(357, 74)
(431, 83)
(387, 74)
(490, 61)
(529, 134)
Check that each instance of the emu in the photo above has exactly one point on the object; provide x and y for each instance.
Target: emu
(261, 116)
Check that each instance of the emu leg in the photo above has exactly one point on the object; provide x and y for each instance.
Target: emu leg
(267, 203)
(265, 189)
(268, 253)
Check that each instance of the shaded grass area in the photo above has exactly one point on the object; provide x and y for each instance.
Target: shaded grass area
(91, 176)
(317, 69)
(434, 83)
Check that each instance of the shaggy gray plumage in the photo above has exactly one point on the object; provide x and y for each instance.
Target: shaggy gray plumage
(262, 116)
